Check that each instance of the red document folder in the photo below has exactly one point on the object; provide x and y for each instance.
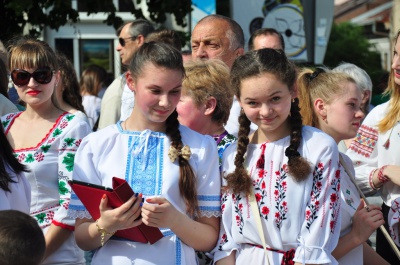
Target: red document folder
(91, 194)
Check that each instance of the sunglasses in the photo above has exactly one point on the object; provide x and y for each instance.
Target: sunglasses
(123, 42)
(42, 76)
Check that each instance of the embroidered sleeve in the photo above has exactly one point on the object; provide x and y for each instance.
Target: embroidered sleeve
(321, 227)
(84, 170)
(69, 143)
(394, 221)
(363, 151)
(209, 180)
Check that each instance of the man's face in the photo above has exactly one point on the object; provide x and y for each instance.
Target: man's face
(267, 41)
(131, 45)
(210, 40)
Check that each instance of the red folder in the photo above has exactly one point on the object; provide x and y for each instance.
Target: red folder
(91, 194)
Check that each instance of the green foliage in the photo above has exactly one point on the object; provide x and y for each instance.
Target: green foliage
(15, 15)
(347, 43)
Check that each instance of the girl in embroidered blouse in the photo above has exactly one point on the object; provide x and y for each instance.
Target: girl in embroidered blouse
(182, 196)
(332, 102)
(291, 169)
(374, 153)
(45, 138)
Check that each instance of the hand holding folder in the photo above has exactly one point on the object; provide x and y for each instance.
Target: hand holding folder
(91, 194)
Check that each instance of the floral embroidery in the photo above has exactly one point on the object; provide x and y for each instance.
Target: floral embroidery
(280, 195)
(29, 158)
(313, 206)
(45, 148)
(5, 123)
(261, 193)
(68, 160)
(334, 202)
(223, 241)
(62, 189)
(224, 199)
(239, 211)
(69, 141)
(39, 156)
(56, 132)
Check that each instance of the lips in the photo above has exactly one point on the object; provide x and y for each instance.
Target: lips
(33, 92)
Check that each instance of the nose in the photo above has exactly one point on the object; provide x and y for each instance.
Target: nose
(360, 114)
(265, 110)
(164, 101)
(201, 52)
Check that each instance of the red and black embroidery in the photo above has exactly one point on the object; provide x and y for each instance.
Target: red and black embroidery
(365, 141)
(280, 195)
(314, 205)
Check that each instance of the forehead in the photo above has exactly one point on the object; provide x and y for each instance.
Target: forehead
(212, 29)
(268, 41)
(125, 31)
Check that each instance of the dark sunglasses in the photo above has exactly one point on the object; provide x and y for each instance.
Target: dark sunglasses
(123, 42)
(42, 76)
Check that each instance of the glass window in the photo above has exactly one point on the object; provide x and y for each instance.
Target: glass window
(98, 52)
(65, 46)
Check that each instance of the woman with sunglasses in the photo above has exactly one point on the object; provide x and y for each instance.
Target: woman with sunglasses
(45, 139)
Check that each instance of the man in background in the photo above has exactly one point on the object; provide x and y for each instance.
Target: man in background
(266, 38)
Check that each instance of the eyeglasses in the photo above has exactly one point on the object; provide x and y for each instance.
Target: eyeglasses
(123, 42)
(42, 76)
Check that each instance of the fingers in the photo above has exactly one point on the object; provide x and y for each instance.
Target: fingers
(104, 203)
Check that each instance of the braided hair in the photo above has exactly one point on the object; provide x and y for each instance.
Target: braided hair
(253, 64)
(166, 56)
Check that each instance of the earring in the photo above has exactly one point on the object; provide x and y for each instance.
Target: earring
(292, 100)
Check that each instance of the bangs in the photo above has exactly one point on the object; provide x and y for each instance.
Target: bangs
(31, 55)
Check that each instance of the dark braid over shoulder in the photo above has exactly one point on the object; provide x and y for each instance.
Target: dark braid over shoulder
(298, 167)
(239, 180)
(187, 178)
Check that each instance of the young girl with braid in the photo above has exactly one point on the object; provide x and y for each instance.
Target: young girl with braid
(182, 195)
(289, 169)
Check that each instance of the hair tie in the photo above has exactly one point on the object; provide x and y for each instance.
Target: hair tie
(173, 153)
(316, 73)
(290, 152)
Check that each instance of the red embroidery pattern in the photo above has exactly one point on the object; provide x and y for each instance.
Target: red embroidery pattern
(313, 206)
(365, 141)
(239, 211)
(223, 241)
(261, 193)
(334, 202)
(280, 195)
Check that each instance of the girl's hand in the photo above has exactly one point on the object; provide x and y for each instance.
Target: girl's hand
(123, 217)
(366, 220)
(159, 212)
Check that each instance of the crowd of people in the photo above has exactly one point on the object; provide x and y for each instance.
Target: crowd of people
(236, 157)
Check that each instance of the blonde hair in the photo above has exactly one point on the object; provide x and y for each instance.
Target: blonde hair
(321, 83)
(206, 79)
(393, 90)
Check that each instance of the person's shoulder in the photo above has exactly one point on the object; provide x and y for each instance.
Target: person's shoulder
(193, 137)
(314, 136)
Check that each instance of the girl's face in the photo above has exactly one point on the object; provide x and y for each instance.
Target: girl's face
(35, 86)
(396, 62)
(189, 114)
(266, 101)
(157, 92)
(343, 114)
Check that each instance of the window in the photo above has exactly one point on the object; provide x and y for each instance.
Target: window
(98, 52)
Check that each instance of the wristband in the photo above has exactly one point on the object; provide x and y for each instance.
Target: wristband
(382, 178)
(103, 233)
(370, 179)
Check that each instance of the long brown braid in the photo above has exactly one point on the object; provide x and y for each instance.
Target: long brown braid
(239, 180)
(187, 178)
(298, 166)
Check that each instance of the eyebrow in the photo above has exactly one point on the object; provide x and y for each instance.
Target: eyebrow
(270, 95)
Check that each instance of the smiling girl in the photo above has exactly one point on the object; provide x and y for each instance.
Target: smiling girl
(281, 180)
(181, 195)
(45, 139)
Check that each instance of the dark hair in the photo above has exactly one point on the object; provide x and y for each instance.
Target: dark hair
(21, 239)
(266, 32)
(168, 36)
(3, 79)
(69, 80)
(165, 56)
(91, 79)
(7, 158)
(253, 64)
(236, 37)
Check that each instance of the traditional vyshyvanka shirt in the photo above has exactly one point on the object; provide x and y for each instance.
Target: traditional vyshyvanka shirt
(300, 219)
(141, 158)
(51, 163)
